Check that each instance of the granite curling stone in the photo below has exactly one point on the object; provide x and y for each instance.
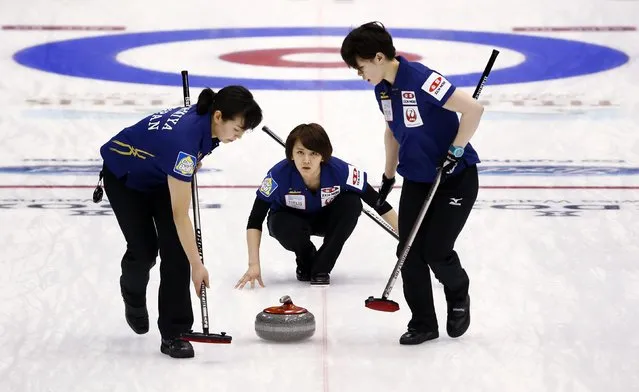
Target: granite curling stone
(285, 323)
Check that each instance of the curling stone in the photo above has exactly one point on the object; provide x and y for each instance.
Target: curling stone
(285, 323)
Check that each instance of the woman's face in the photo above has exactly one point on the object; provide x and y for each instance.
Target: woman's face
(372, 70)
(227, 130)
(306, 161)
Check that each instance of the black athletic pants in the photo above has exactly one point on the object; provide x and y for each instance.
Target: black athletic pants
(146, 220)
(434, 244)
(334, 222)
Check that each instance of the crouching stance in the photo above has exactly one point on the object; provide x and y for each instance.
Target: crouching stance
(310, 193)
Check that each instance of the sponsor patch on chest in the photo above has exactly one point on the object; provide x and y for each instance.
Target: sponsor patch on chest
(412, 118)
(409, 98)
(329, 194)
(295, 201)
(387, 108)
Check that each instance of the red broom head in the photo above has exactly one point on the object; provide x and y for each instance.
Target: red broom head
(381, 304)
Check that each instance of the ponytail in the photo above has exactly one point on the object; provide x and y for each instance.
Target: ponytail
(231, 101)
(205, 101)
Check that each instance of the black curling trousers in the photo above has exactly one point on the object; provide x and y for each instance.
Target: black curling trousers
(146, 220)
(434, 244)
(334, 222)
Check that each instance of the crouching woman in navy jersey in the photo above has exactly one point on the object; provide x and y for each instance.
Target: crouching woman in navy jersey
(309, 193)
(147, 171)
(423, 133)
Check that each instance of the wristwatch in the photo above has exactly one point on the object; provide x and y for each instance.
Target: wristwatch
(456, 151)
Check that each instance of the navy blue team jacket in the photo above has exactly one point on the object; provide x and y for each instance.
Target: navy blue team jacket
(283, 186)
(413, 110)
(169, 142)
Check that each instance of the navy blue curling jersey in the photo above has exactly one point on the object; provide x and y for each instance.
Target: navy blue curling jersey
(169, 142)
(413, 110)
(284, 187)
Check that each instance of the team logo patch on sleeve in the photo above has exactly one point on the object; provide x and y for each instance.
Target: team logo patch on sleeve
(268, 186)
(185, 164)
(436, 85)
(355, 177)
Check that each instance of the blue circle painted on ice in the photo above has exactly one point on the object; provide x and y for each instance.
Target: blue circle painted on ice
(95, 57)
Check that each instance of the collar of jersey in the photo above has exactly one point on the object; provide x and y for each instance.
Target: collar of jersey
(215, 142)
(402, 78)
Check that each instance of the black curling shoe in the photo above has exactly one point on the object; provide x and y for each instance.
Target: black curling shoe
(321, 279)
(137, 318)
(458, 319)
(413, 336)
(302, 276)
(177, 348)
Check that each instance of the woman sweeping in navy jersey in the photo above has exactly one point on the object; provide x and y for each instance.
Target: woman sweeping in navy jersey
(309, 193)
(423, 133)
(147, 171)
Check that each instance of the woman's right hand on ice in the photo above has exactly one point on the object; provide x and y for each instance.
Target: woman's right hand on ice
(199, 274)
(252, 274)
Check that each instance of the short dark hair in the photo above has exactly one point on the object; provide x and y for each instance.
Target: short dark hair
(365, 42)
(312, 136)
(231, 101)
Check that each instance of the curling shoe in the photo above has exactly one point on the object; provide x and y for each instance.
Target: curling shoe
(177, 348)
(137, 318)
(304, 264)
(458, 319)
(302, 275)
(321, 279)
(413, 336)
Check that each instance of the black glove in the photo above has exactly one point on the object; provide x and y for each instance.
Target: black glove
(449, 165)
(384, 190)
